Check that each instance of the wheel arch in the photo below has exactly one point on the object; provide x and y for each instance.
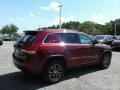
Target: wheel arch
(101, 60)
(103, 53)
(60, 58)
(107, 51)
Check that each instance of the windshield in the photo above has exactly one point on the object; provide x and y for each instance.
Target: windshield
(92, 37)
(118, 38)
(99, 37)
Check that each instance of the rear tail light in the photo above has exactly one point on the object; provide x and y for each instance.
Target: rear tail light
(28, 51)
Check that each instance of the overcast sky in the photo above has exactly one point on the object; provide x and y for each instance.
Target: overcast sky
(31, 14)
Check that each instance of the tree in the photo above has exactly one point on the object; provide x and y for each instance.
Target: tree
(9, 29)
(89, 28)
(117, 26)
(107, 28)
(71, 25)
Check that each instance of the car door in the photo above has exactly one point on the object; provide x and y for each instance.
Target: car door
(72, 47)
(88, 52)
(79, 49)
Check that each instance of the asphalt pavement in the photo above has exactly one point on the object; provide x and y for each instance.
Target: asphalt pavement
(87, 78)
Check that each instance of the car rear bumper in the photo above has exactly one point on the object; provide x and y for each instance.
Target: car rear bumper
(28, 65)
(25, 69)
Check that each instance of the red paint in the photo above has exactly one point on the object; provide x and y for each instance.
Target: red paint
(76, 54)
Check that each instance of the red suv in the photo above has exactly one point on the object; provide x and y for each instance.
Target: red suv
(52, 52)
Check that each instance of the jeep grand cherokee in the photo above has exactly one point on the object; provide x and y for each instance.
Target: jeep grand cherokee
(52, 52)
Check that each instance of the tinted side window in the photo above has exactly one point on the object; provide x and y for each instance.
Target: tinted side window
(106, 38)
(84, 39)
(111, 37)
(68, 37)
(52, 38)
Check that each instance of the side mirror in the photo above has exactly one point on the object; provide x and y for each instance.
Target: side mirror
(95, 42)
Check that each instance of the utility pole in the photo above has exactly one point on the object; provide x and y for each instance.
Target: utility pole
(115, 28)
(39, 27)
(60, 21)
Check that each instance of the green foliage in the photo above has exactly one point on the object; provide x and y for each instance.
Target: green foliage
(108, 28)
(91, 27)
(117, 26)
(9, 29)
(71, 25)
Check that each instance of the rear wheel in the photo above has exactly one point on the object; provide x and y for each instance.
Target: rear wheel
(106, 60)
(54, 72)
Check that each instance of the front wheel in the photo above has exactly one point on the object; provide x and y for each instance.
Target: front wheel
(54, 72)
(106, 60)
(1, 43)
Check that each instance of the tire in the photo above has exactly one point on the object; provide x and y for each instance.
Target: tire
(54, 71)
(1, 43)
(106, 60)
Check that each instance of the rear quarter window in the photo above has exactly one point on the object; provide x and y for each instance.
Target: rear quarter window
(52, 38)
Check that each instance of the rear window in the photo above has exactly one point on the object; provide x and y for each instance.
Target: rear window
(100, 37)
(52, 38)
(27, 37)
